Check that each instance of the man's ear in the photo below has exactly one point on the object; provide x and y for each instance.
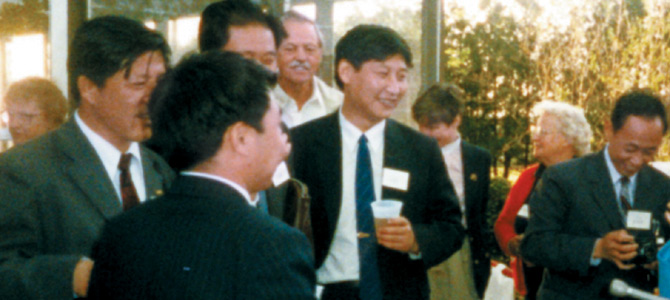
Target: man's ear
(238, 138)
(88, 90)
(457, 121)
(345, 70)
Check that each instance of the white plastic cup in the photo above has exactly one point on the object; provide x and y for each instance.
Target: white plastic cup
(384, 210)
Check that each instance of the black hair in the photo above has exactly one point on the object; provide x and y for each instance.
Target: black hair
(641, 103)
(103, 46)
(218, 17)
(370, 42)
(442, 102)
(194, 104)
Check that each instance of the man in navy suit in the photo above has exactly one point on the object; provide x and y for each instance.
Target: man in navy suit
(205, 239)
(57, 191)
(465, 274)
(357, 155)
(582, 210)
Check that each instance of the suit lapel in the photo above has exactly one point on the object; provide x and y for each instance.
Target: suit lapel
(603, 190)
(328, 153)
(86, 170)
(469, 177)
(152, 180)
(394, 156)
(645, 197)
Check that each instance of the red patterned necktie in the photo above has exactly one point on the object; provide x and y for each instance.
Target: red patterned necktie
(128, 192)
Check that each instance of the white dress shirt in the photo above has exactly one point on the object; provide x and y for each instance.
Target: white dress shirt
(243, 192)
(615, 176)
(453, 159)
(323, 101)
(110, 157)
(342, 261)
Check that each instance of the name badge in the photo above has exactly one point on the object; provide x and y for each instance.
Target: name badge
(395, 179)
(524, 212)
(637, 219)
(281, 174)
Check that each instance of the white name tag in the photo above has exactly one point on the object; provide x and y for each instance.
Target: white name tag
(281, 174)
(395, 179)
(524, 212)
(637, 219)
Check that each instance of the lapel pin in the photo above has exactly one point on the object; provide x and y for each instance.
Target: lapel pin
(473, 177)
(159, 192)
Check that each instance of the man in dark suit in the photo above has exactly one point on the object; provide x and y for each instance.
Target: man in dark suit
(205, 239)
(583, 210)
(344, 175)
(465, 274)
(60, 189)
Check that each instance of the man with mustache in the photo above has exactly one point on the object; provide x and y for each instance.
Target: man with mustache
(60, 189)
(358, 155)
(301, 95)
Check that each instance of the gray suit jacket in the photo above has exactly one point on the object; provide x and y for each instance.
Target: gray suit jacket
(55, 197)
(574, 204)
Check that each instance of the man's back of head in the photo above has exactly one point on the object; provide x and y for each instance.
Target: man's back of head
(201, 110)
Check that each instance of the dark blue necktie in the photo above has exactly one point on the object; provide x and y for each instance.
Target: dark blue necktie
(370, 284)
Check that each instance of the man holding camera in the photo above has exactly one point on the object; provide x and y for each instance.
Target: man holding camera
(599, 217)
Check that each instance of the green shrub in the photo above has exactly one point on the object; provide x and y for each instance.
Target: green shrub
(498, 191)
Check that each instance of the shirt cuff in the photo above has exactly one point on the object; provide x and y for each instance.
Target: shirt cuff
(595, 261)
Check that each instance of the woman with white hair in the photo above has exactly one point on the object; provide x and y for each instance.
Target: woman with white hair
(559, 133)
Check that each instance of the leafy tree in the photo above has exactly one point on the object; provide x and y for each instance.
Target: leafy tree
(491, 62)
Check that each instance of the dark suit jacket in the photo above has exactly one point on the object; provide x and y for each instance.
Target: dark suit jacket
(55, 198)
(201, 241)
(429, 203)
(573, 205)
(477, 178)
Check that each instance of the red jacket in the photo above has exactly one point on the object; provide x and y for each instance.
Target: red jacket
(504, 226)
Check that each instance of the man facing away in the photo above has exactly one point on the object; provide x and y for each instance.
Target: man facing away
(301, 95)
(242, 27)
(60, 189)
(465, 274)
(356, 156)
(582, 210)
(205, 239)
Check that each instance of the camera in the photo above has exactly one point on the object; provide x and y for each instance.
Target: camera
(647, 241)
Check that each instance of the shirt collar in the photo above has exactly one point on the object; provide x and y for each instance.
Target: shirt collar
(453, 146)
(108, 153)
(614, 174)
(284, 99)
(350, 132)
(225, 181)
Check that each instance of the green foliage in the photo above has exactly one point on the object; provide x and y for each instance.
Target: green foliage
(507, 64)
(498, 191)
(491, 62)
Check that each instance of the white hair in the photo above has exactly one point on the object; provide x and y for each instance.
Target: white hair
(572, 123)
